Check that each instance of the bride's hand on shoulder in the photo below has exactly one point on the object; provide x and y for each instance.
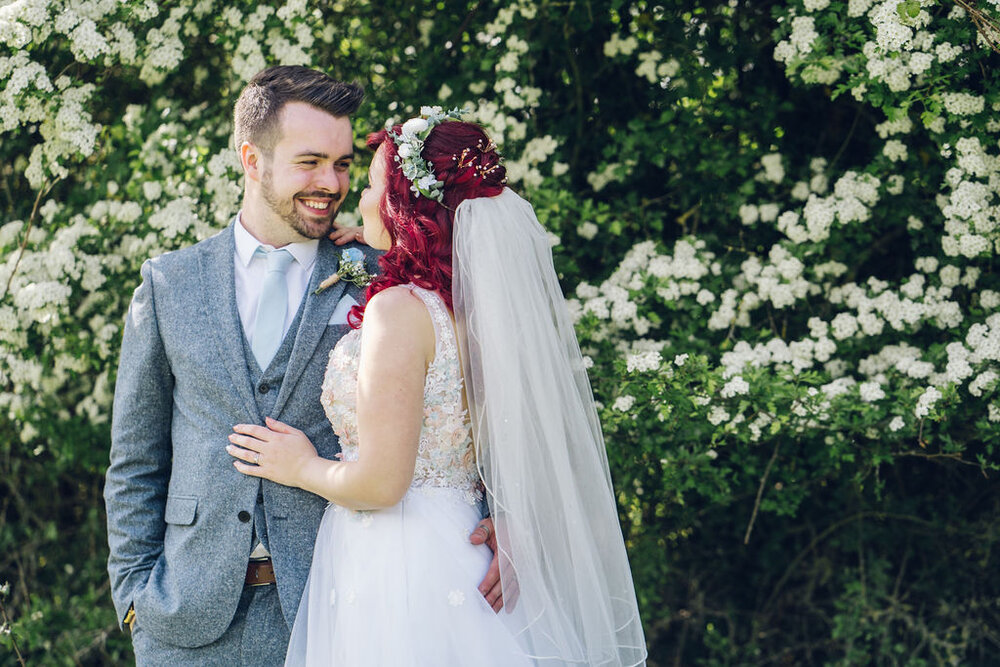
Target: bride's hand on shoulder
(277, 451)
(343, 234)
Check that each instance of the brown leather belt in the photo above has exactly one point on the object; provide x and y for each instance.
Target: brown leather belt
(260, 572)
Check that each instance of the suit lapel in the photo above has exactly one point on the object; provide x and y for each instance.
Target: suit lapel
(315, 316)
(219, 308)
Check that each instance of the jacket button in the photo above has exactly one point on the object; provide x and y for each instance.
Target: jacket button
(264, 388)
(243, 516)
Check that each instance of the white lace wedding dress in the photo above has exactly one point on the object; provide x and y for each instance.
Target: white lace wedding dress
(398, 586)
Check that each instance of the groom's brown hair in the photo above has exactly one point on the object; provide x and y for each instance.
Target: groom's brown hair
(255, 117)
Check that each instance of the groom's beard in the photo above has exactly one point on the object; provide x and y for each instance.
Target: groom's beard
(312, 228)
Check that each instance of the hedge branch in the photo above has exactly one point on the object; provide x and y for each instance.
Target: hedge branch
(829, 530)
(13, 641)
(42, 191)
(951, 456)
(987, 27)
(760, 492)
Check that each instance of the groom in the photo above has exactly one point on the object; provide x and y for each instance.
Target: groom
(207, 565)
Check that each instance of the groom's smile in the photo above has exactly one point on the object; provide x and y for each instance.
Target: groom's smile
(317, 205)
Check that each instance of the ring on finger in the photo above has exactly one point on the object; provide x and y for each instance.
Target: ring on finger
(256, 458)
(486, 529)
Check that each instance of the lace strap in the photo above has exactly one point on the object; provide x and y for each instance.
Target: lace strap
(439, 316)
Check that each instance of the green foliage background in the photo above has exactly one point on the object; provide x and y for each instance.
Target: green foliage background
(830, 538)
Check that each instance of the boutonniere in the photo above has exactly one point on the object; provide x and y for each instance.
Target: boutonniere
(351, 269)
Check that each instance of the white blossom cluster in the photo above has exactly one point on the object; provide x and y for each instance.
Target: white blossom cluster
(773, 169)
(643, 362)
(854, 195)
(926, 402)
(735, 387)
(676, 275)
(525, 168)
(794, 50)
(624, 403)
(779, 281)
(654, 69)
(616, 45)
(797, 356)
(751, 213)
(895, 150)
(610, 172)
(972, 207)
(799, 43)
(652, 66)
(963, 104)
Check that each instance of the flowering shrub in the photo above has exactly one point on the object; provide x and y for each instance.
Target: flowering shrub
(776, 224)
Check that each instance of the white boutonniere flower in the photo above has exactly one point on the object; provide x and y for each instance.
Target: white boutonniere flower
(351, 269)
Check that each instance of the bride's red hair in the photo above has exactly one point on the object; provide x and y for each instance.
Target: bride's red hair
(421, 228)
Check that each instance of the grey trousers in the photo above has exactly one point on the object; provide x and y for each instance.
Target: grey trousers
(257, 637)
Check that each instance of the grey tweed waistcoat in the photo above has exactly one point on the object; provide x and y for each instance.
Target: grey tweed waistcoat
(267, 384)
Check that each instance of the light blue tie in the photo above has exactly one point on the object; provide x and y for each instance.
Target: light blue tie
(270, 323)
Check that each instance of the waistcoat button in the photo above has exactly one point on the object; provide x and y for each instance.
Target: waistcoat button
(264, 388)
(243, 516)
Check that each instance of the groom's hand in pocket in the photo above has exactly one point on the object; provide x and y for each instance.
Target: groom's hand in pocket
(491, 586)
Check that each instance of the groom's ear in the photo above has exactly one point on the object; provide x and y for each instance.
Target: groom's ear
(250, 158)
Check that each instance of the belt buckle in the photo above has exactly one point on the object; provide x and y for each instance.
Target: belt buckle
(254, 568)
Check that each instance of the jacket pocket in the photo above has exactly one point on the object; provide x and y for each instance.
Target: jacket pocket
(181, 510)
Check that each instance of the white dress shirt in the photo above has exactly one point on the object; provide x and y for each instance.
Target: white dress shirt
(250, 270)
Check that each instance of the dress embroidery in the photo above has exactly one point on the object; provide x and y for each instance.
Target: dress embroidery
(444, 457)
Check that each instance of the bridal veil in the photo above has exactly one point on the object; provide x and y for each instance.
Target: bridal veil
(568, 590)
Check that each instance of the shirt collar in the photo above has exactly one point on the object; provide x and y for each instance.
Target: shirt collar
(304, 252)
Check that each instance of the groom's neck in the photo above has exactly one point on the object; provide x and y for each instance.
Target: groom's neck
(267, 227)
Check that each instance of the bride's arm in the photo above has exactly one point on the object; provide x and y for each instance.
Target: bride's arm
(397, 345)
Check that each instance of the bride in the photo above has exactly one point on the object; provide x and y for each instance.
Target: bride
(462, 374)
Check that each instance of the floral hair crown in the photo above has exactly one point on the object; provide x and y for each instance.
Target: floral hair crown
(410, 141)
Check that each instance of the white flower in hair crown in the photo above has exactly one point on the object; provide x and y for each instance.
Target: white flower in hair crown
(410, 141)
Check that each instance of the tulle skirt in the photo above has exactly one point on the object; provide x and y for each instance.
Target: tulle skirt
(398, 587)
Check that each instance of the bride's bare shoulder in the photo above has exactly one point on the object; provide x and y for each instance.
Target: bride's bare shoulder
(397, 300)
(399, 310)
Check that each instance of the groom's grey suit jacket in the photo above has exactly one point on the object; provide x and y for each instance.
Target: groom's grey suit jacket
(179, 514)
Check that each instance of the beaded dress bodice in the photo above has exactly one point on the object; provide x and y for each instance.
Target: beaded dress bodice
(444, 457)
